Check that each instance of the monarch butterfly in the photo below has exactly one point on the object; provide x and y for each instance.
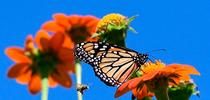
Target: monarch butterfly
(111, 63)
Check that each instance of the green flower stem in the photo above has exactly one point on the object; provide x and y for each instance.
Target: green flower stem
(159, 87)
(162, 95)
(114, 36)
(79, 78)
(161, 90)
(45, 88)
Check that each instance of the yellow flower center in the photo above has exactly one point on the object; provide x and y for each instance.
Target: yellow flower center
(149, 66)
(114, 19)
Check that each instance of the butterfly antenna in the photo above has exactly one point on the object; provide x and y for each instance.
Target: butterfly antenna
(151, 60)
(156, 50)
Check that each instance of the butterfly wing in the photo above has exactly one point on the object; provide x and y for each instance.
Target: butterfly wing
(90, 52)
(112, 64)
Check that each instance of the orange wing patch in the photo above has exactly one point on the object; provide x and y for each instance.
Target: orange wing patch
(124, 54)
(112, 55)
(116, 49)
(122, 70)
(128, 73)
(109, 59)
(122, 61)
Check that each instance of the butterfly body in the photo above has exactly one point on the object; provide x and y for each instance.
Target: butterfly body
(111, 63)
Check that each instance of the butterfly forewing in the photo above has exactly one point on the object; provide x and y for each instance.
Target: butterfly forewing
(112, 64)
(90, 51)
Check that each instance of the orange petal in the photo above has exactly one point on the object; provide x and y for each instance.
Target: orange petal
(35, 84)
(56, 41)
(92, 24)
(184, 69)
(45, 44)
(175, 81)
(86, 19)
(17, 70)
(150, 75)
(122, 89)
(25, 78)
(68, 43)
(191, 70)
(185, 77)
(92, 39)
(133, 83)
(61, 77)
(17, 55)
(66, 55)
(29, 45)
(62, 20)
(168, 70)
(68, 67)
(51, 82)
(74, 19)
(40, 35)
(53, 27)
(140, 93)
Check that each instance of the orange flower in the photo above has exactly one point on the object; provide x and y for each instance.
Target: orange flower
(51, 60)
(78, 28)
(156, 75)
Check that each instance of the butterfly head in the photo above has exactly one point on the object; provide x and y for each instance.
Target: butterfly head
(142, 58)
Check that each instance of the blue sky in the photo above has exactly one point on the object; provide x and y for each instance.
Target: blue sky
(179, 26)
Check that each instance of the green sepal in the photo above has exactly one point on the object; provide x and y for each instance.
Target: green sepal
(111, 27)
(136, 74)
(95, 35)
(131, 19)
(146, 98)
(182, 91)
(132, 29)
